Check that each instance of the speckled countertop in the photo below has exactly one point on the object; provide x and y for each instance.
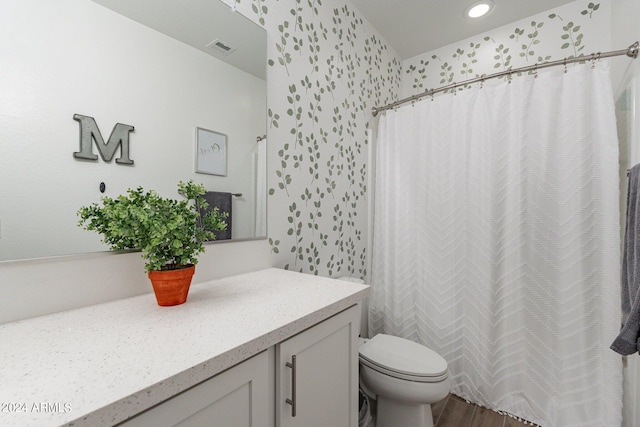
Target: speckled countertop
(99, 365)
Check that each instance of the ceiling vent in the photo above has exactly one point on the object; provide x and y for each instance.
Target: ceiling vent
(221, 47)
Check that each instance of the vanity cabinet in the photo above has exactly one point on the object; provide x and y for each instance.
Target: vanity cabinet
(228, 357)
(315, 385)
(241, 396)
(317, 374)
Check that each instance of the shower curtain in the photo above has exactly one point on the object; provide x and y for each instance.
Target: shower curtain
(496, 242)
(261, 188)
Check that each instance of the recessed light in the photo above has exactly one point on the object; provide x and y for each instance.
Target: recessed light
(478, 9)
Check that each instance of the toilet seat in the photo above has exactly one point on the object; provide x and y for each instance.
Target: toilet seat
(403, 359)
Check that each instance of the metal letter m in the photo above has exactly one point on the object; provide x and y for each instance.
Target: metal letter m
(89, 132)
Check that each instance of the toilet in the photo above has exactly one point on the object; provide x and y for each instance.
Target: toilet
(404, 377)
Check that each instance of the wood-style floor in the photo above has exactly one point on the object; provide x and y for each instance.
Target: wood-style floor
(454, 411)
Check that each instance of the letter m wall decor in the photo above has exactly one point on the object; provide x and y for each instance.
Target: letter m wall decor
(89, 132)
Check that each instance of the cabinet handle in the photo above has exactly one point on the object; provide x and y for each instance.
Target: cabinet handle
(292, 401)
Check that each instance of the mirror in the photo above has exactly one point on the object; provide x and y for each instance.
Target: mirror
(165, 68)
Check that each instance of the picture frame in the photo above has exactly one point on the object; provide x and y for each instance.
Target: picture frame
(210, 152)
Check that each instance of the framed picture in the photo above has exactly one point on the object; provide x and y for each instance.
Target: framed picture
(211, 152)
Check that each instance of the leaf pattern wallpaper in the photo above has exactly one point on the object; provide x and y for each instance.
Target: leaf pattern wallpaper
(568, 31)
(327, 67)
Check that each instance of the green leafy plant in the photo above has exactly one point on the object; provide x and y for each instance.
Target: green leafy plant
(170, 233)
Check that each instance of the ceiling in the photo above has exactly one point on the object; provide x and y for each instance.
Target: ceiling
(198, 23)
(413, 27)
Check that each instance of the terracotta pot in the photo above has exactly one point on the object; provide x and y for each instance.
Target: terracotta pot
(172, 286)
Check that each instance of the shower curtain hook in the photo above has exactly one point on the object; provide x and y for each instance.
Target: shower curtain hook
(431, 92)
(565, 65)
(535, 71)
(482, 81)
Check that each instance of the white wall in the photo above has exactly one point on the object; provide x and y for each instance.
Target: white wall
(58, 60)
(42, 286)
(75, 56)
(625, 17)
(628, 123)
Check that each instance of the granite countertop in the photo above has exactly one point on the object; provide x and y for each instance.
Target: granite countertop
(99, 365)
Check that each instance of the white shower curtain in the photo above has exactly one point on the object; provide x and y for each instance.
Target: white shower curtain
(261, 188)
(496, 242)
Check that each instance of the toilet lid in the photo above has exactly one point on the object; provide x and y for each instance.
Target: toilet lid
(401, 356)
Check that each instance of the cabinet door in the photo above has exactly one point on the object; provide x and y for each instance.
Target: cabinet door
(238, 397)
(324, 361)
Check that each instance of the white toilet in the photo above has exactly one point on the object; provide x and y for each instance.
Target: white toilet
(404, 377)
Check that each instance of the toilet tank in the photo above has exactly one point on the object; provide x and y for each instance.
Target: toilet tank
(362, 306)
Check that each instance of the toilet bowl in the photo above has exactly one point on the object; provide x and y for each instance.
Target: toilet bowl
(404, 377)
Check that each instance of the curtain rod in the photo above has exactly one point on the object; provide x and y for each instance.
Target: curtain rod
(631, 51)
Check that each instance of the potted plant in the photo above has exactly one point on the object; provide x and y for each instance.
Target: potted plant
(170, 233)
